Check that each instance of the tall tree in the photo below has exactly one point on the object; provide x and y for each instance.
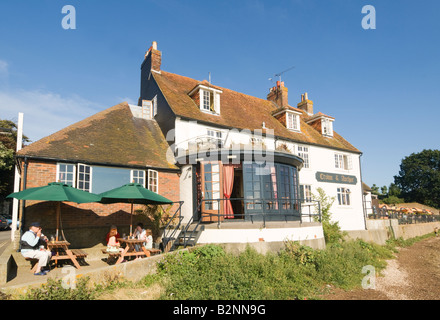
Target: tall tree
(8, 145)
(419, 178)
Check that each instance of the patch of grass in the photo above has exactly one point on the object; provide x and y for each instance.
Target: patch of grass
(404, 243)
(55, 290)
(210, 273)
(297, 272)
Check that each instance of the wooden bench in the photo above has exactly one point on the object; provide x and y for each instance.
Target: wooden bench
(79, 253)
(34, 264)
(154, 251)
(111, 254)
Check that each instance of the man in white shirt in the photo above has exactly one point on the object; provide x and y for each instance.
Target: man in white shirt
(30, 242)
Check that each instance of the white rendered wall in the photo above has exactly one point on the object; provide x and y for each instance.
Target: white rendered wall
(321, 159)
(189, 130)
(186, 194)
(257, 235)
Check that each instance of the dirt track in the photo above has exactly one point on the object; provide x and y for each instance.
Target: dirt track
(413, 275)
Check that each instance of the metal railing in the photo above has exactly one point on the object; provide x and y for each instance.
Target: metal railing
(403, 217)
(292, 208)
(264, 209)
(170, 229)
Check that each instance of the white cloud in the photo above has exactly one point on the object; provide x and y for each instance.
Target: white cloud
(4, 73)
(4, 68)
(127, 99)
(44, 112)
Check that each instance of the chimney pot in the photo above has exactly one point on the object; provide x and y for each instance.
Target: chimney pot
(306, 104)
(278, 94)
(154, 45)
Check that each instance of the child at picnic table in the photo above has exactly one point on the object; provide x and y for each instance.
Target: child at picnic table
(113, 245)
(149, 239)
(113, 227)
(141, 234)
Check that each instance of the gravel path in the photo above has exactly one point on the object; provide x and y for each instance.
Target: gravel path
(413, 275)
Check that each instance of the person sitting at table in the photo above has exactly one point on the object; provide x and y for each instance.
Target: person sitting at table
(149, 239)
(113, 227)
(30, 243)
(113, 244)
(140, 234)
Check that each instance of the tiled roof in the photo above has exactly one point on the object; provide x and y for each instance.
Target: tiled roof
(317, 116)
(240, 111)
(112, 136)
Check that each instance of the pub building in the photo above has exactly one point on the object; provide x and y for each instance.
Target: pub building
(246, 168)
(245, 159)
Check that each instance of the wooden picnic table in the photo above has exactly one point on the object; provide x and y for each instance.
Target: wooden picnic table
(130, 249)
(62, 252)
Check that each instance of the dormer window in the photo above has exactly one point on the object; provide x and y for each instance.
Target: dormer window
(327, 127)
(207, 98)
(292, 121)
(322, 123)
(210, 101)
(289, 117)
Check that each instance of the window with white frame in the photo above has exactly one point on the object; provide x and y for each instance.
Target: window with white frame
(153, 180)
(215, 135)
(343, 161)
(292, 121)
(306, 192)
(84, 177)
(138, 176)
(327, 127)
(66, 173)
(154, 103)
(147, 109)
(344, 196)
(210, 100)
(303, 152)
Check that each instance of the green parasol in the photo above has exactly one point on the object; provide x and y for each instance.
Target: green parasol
(133, 193)
(56, 191)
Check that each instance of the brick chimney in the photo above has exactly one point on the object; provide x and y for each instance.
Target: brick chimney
(278, 94)
(153, 58)
(306, 104)
(152, 62)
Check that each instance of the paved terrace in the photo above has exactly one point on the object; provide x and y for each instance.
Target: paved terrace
(16, 270)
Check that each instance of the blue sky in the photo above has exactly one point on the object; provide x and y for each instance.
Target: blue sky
(382, 85)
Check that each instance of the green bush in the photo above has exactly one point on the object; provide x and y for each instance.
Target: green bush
(297, 272)
(54, 290)
(341, 264)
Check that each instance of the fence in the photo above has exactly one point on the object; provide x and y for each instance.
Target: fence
(258, 209)
(403, 217)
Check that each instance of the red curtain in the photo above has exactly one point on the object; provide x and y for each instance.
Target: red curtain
(228, 183)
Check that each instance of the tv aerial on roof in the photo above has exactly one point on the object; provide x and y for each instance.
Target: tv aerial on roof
(279, 74)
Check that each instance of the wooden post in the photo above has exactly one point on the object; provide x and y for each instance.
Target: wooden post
(131, 220)
(58, 212)
(17, 177)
